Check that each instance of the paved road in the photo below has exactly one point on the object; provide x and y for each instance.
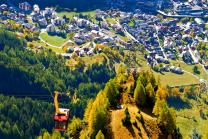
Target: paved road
(178, 16)
(196, 60)
(157, 30)
(126, 32)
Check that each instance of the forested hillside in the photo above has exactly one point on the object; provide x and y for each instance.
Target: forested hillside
(132, 105)
(136, 105)
(24, 118)
(26, 73)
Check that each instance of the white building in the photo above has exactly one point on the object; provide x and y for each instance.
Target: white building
(42, 22)
(36, 8)
(58, 21)
(51, 28)
(25, 6)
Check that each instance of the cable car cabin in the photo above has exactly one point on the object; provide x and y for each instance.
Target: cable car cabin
(61, 120)
(61, 116)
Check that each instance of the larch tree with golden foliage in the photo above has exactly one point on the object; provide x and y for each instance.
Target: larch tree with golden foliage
(167, 119)
(98, 114)
(205, 135)
(100, 135)
(150, 93)
(161, 96)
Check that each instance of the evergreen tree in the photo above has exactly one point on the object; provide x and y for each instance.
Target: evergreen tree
(46, 135)
(157, 106)
(142, 79)
(140, 94)
(74, 127)
(98, 114)
(206, 134)
(162, 93)
(167, 119)
(150, 93)
(98, 120)
(100, 135)
(56, 135)
(111, 92)
(15, 132)
(127, 120)
(88, 109)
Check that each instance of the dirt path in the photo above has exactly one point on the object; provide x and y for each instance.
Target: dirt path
(132, 132)
(137, 130)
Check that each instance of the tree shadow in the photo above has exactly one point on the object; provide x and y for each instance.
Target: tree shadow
(178, 103)
(147, 110)
(131, 130)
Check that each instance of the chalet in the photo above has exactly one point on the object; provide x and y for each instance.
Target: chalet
(90, 53)
(42, 22)
(12, 9)
(169, 43)
(3, 7)
(160, 59)
(79, 41)
(108, 39)
(171, 56)
(187, 57)
(165, 68)
(36, 17)
(82, 53)
(88, 37)
(21, 16)
(60, 32)
(206, 67)
(70, 49)
(199, 21)
(36, 9)
(34, 28)
(95, 27)
(86, 48)
(48, 12)
(124, 19)
(25, 6)
(27, 25)
(78, 22)
(12, 16)
(100, 13)
(58, 21)
(104, 25)
(82, 22)
(70, 28)
(51, 29)
(96, 33)
(176, 70)
(117, 28)
(100, 50)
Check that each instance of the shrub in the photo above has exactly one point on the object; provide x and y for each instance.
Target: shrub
(127, 120)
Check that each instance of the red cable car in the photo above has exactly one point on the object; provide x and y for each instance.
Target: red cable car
(61, 116)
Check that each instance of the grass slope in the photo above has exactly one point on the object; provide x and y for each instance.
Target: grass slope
(189, 119)
(53, 40)
(173, 79)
